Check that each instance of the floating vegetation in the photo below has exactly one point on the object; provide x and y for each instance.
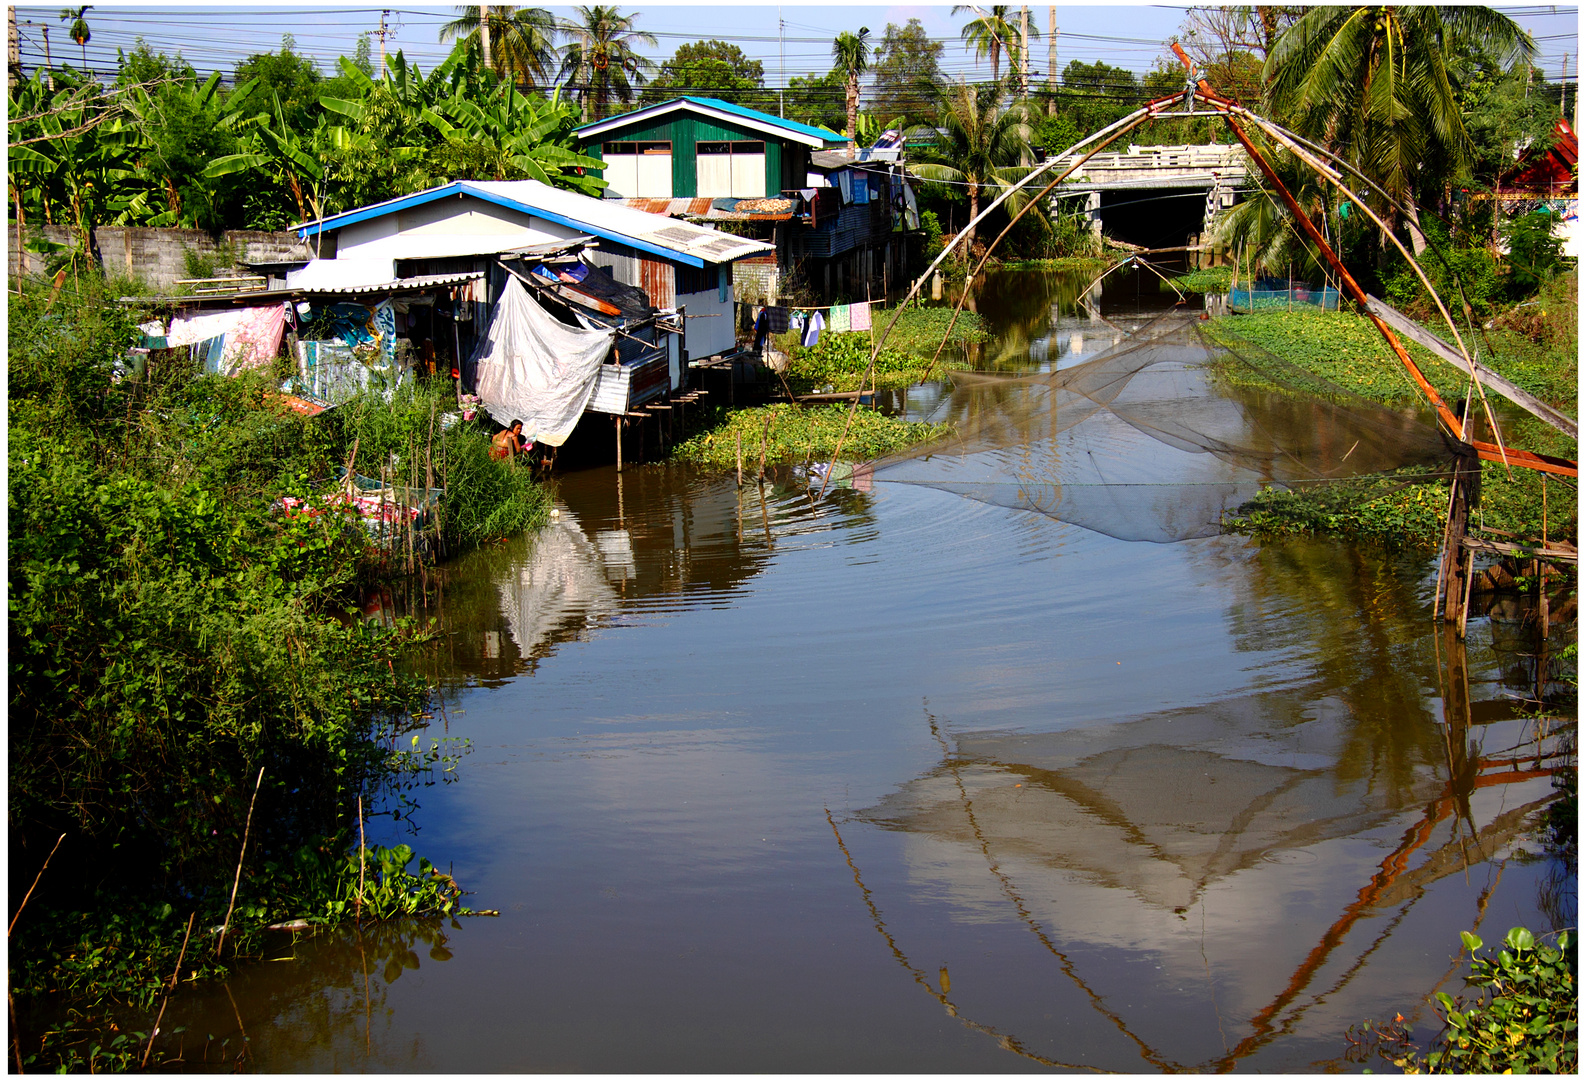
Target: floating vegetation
(793, 433)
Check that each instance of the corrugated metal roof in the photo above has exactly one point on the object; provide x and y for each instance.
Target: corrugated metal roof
(407, 284)
(804, 133)
(839, 159)
(608, 219)
(706, 208)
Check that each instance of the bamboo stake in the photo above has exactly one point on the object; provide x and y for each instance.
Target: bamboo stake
(737, 453)
(175, 976)
(35, 885)
(11, 1003)
(225, 927)
(765, 430)
(357, 906)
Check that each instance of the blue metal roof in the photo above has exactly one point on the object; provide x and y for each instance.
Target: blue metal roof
(463, 187)
(824, 134)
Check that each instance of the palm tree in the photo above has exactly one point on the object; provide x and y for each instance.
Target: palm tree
(601, 57)
(992, 34)
(79, 28)
(1372, 84)
(852, 54)
(516, 43)
(979, 142)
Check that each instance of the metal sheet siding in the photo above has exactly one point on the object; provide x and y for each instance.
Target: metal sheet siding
(658, 282)
(683, 131)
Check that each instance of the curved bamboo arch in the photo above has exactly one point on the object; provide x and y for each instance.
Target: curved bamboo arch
(1199, 92)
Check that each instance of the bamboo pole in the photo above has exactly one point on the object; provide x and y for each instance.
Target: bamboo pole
(225, 927)
(765, 430)
(35, 884)
(1108, 135)
(175, 976)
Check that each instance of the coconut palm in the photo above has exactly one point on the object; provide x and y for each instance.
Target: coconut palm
(978, 141)
(992, 35)
(852, 55)
(79, 28)
(516, 43)
(601, 59)
(1372, 83)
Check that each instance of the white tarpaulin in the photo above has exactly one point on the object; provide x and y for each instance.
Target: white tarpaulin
(535, 369)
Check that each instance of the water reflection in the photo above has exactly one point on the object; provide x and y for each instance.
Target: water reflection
(317, 1002)
(1201, 886)
(1209, 860)
(625, 549)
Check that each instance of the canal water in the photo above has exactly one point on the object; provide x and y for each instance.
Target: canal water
(893, 779)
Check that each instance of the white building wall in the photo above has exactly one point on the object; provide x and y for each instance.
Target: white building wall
(706, 337)
(443, 228)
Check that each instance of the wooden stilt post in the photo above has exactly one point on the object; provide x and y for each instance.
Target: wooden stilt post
(619, 443)
(737, 452)
(1464, 603)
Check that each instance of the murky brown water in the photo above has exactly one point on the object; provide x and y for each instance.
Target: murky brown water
(897, 781)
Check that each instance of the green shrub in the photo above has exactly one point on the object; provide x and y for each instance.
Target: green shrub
(839, 360)
(171, 633)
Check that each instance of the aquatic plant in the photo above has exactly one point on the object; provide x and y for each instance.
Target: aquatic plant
(1522, 1020)
(793, 433)
(1394, 510)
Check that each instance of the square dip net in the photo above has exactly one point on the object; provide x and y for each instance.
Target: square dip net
(1162, 435)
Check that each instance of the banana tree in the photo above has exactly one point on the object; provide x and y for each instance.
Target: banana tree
(184, 120)
(288, 156)
(73, 158)
(534, 137)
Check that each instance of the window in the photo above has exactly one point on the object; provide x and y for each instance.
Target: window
(696, 280)
(730, 169)
(638, 169)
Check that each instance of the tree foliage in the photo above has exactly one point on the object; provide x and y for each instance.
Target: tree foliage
(711, 68)
(522, 40)
(601, 63)
(1373, 83)
(977, 141)
(907, 65)
(160, 147)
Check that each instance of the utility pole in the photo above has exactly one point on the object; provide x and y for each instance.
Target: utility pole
(1024, 51)
(1051, 53)
(781, 51)
(484, 34)
(1563, 87)
(383, 16)
(49, 65)
(13, 49)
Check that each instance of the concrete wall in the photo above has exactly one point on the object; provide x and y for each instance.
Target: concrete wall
(157, 257)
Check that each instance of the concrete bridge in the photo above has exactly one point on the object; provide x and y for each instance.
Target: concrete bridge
(1148, 194)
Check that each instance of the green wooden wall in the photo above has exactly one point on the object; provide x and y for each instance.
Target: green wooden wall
(785, 162)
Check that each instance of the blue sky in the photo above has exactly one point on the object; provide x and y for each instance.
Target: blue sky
(211, 35)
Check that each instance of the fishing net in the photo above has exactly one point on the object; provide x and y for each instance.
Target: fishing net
(1161, 435)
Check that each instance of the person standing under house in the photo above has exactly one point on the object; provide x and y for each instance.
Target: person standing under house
(510, 441)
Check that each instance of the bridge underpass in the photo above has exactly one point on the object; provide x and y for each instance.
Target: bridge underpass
(1156, 196)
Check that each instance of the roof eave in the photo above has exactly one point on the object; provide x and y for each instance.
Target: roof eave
(663, 107)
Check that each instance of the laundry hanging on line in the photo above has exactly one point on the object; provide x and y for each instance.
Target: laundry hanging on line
(812, 330)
